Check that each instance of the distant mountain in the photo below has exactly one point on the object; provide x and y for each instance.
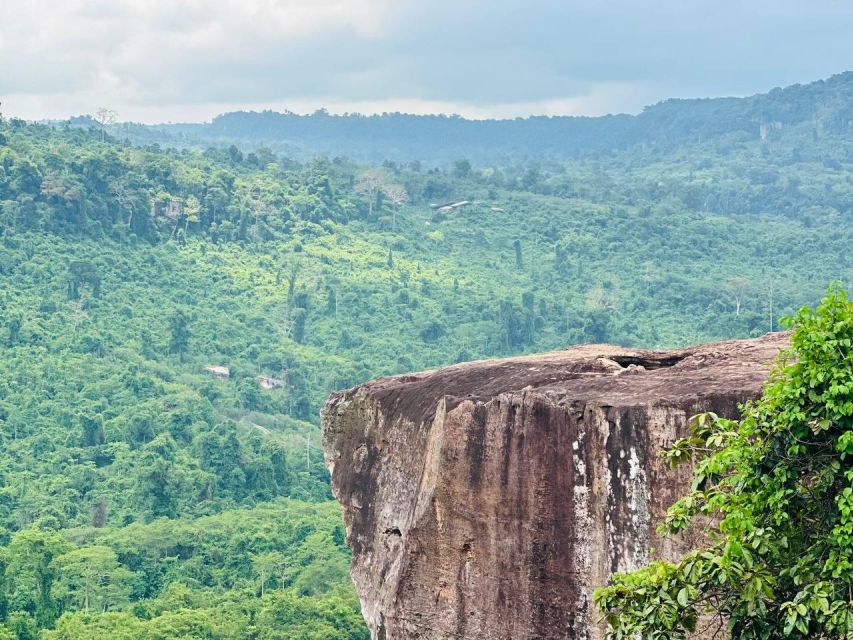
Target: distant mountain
(825, 106)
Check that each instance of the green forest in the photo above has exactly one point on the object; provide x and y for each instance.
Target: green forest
(174, 313)
(820, 109)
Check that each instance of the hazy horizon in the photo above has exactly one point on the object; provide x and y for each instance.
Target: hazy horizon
(158, 61)
(403, 111)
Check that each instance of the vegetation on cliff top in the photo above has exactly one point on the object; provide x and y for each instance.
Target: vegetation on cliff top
(779, 485)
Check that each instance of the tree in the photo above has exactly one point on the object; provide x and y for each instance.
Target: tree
(157, 484)
(192, 209)
(249, 395)
(216, 199)
(105, 117)
(770, 302)
(737, 288)
(432, 331)
(30, 571)
(180, 335)
(515, 326)
(370, 183)
(291, 282)
(92, 428)
(519, 262)
(461, 168)
(15, 324)
(119, 189)
(778, 486)
(171, 207)
(92, 577)
(299, 316)
(267, 565)
(83, 272)
(22, 625)
(27, 177)
(397, 196)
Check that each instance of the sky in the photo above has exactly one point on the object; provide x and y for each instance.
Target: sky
(190, 60)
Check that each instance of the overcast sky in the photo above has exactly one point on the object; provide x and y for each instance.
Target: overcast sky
(189, 60)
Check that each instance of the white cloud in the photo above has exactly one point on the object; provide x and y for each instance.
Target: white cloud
(156, 60)
(136, 53)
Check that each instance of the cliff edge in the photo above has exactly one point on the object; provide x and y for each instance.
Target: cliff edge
(489, 499)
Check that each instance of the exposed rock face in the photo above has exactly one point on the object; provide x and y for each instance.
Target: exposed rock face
(489, 499)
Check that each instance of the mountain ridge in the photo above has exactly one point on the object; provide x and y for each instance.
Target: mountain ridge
(435, 139)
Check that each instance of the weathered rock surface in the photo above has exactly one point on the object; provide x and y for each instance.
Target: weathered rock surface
(489, 499)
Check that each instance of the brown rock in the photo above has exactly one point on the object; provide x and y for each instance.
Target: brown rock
(489, 499)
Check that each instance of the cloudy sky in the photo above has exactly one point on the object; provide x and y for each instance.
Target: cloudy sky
(188, 60)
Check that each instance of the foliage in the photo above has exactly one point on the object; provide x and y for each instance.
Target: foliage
(441, 140)
(779, 485)
(91, 577)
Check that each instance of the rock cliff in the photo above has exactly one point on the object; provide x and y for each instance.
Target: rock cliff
(489, 499)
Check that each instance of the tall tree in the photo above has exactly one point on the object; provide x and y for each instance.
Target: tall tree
(105, 118)
(92, 577)
(192, 209)
(397, 196)
(268, 565)
(737, 288)
(179, 333)
(371, 182)
(14, 326)
(30, 570)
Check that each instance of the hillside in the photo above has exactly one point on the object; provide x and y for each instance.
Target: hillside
(133, 277)
(821, 110)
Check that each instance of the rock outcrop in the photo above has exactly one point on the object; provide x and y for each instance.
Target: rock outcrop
(489, 499)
